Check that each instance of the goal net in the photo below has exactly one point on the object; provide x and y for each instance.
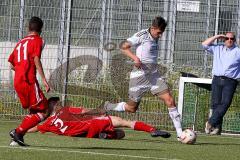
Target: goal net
(194, 103)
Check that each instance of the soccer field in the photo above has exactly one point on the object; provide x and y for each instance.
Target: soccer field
(136, 145)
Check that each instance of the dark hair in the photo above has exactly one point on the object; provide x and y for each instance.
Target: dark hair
(159, 22)
(52, 101)
(35, 24)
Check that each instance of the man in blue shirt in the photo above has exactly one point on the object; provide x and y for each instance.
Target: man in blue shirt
(226, 72)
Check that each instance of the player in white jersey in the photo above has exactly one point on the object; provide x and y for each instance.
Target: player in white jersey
(145, 75)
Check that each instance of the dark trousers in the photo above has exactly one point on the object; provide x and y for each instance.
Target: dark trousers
(223, 89)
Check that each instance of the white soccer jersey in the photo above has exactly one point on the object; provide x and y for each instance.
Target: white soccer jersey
(146, 46)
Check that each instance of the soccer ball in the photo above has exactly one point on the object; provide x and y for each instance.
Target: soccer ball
(188, 136)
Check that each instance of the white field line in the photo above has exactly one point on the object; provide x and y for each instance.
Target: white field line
(80, 152)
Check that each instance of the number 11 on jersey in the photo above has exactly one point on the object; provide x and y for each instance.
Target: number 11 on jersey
(24, 51)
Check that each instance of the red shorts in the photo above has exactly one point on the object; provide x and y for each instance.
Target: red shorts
(31, 96)
(98, 125)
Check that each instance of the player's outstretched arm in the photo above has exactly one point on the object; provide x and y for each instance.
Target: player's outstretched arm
(40, 71)
(125, 47)
(210, 40)
(87, 114)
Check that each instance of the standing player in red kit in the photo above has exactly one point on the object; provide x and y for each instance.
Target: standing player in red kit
(25, 61)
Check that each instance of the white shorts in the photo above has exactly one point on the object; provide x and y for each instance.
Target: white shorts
(145, 79)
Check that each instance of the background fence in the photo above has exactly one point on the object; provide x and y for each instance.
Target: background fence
(77, 33)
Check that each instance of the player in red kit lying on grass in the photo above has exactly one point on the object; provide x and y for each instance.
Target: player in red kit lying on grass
(79, 121)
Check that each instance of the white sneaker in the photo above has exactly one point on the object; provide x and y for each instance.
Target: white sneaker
(105, 105)
(208, 128)
(215, 131)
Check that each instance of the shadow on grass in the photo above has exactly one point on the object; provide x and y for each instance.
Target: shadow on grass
(217, 144)
(95, 148)
(171, 141)
(158, 140)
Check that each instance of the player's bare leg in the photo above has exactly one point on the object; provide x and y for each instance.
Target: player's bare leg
(173, 112)
(139, 126)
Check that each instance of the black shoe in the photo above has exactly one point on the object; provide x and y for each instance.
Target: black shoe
(158, 133)
(17, 137)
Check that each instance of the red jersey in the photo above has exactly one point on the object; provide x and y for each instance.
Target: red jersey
(22, 58)
(64, 123)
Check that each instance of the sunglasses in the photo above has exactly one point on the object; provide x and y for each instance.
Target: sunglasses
(227, 38)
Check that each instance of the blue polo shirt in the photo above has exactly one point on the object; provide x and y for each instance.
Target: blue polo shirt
(226, 61)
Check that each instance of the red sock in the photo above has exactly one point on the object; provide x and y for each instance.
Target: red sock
(141, 126)
(28, 122)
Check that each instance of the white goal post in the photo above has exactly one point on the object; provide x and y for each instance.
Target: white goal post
(182, 82)
(194, 105)
(181, 97)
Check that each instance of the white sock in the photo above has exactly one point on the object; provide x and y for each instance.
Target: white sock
(120, 107)
(175, 116)
(210, 113)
